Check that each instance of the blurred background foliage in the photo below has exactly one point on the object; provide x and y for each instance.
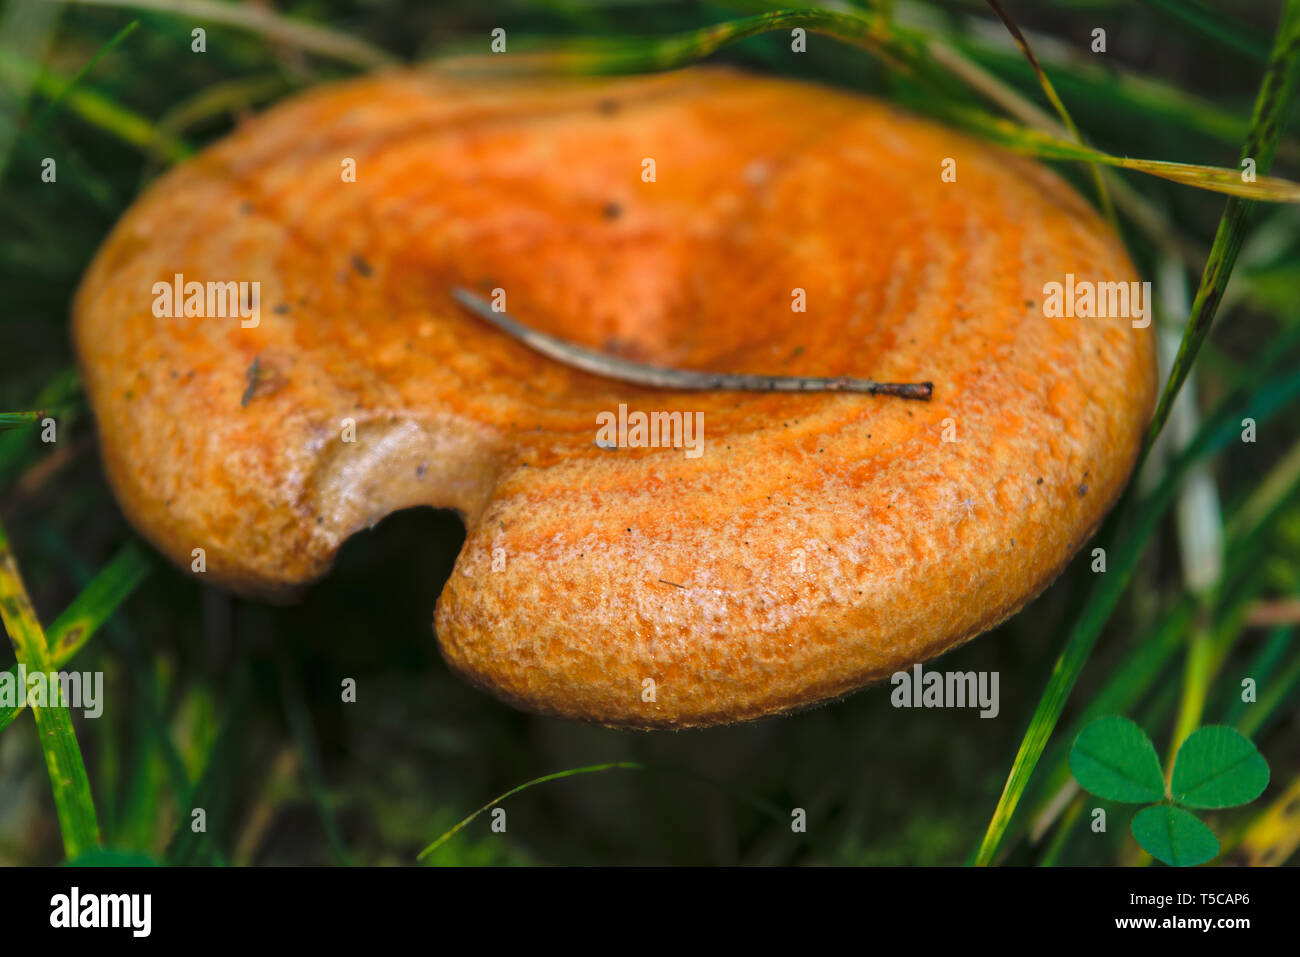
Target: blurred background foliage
(235, 706)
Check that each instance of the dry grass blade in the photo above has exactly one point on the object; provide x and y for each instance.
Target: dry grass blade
(1273, 837)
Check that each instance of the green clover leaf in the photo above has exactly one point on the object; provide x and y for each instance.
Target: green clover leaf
(1217, 767)
(1174, 835)
(1115, 760)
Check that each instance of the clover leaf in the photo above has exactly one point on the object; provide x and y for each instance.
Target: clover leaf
(1174, 835)
(1114, 759)
(1216, 767)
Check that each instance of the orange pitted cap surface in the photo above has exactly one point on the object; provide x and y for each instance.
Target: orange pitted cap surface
(798, 546)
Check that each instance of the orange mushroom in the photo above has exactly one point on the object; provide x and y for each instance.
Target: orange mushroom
(703, 220)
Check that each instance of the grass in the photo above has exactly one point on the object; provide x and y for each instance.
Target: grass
(557, 776)
(1261, 143)
(72, 798)
(233, 707)
(89, 610)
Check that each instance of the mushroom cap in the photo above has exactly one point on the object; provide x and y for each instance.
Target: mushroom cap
(821, 541)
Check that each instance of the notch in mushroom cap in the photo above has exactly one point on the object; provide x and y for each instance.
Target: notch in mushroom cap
(818, 542)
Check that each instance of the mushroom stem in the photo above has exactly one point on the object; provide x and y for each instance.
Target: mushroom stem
(658, 377)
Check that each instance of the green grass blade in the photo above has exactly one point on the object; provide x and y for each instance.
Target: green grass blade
(16, 445)
(1268, 497)
(28, 26)
(1117, 94)
(134, 826)
(1277, 691)
(311, 37)
(639, 54)
(1217, 27)
(1213, 178)
(20, 420)
(102, 591)
(1263, 665)
(101, 597)
(1197, 674)
(72, 798)
(590, 769)
(53, 105)
(1045, 146)
(89, 610)
(1270, 109)
(907, 52)
(1054, 98)
(1132, 677)
(93, 108)
(1270, 115)
(213, 793)
(1126, 533)
(1138, 672)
